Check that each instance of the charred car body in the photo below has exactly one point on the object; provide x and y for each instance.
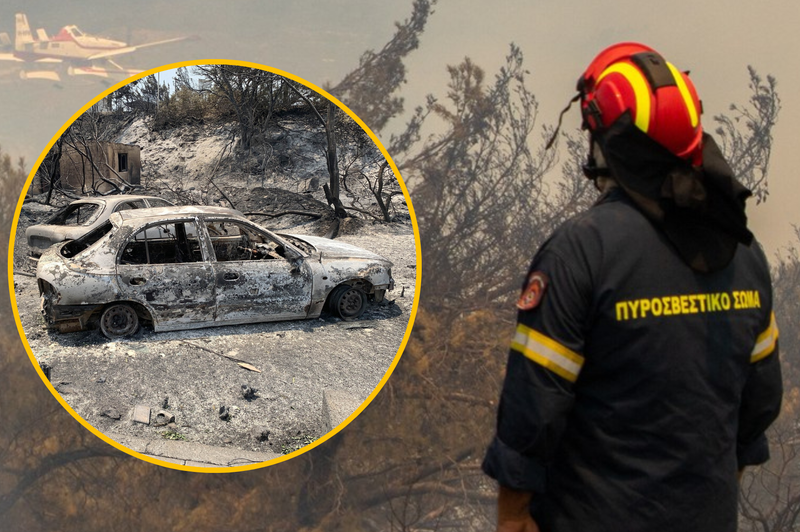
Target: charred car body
(80, 217)
(191, 267)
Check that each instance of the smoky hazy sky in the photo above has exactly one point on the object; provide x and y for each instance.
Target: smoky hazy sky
(321, 41)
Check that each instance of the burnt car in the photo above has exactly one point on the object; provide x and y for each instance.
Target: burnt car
(191, 267)
(80, 217)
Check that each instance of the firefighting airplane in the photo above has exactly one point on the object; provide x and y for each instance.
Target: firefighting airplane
(82, 54)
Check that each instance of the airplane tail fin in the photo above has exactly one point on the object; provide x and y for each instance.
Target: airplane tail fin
(5, 40)
(23, 36)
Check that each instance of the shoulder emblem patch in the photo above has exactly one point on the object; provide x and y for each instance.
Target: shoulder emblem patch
(532, 295)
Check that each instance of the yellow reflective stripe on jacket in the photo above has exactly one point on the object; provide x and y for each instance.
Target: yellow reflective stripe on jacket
(547, 353)
(765, 343)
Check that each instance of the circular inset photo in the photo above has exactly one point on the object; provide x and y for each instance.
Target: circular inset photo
(215, 266)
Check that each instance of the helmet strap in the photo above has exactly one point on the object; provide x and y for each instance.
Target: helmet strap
(591, 169)
(560, 118)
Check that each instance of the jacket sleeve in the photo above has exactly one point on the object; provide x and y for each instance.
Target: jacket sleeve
(761, 398)
(543, 365)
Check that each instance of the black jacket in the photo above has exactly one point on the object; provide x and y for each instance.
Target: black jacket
(637, 387)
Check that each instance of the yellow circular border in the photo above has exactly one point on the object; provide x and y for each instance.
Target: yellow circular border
(352, 416)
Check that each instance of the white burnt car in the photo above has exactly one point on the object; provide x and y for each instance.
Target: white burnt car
(191, 267)
(80, 217)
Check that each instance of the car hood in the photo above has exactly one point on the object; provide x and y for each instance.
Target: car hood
(338, 250)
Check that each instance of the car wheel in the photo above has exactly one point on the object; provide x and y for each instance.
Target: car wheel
(119, 320)
(348, 302)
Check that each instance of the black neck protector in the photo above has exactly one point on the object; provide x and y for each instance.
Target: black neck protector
(700, 210)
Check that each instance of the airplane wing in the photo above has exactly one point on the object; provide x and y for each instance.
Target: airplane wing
(50, 75)
(26, 73)
(101, 72)
(129, 49)
(11, 57)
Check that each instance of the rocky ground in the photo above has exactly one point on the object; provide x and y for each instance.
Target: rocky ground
(190, 374)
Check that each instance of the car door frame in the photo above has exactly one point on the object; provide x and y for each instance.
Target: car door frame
(179, 295)
(253, 291)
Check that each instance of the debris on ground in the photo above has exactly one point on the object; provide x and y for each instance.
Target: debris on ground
(248, 392)
(141, 414)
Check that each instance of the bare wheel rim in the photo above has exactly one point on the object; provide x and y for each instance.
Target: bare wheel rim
(119, 320)
(351, 303)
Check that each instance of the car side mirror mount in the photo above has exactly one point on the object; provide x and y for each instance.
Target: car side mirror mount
(295, 263)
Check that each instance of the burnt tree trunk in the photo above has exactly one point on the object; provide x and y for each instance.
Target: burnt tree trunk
(378, 192)
(55, 170)
(332, 191)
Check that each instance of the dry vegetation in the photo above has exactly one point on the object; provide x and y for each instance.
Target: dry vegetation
(411, 460)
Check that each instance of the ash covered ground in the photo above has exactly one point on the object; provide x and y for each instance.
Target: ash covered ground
(190, 374)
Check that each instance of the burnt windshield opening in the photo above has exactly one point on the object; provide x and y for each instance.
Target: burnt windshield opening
(305, 246)
(73, 247)
(234, 241)
(76, 214)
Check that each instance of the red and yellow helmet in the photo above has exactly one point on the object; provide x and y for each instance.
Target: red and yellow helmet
(661, 99)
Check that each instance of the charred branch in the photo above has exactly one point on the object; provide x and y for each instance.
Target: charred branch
(315, 215)
(87, 157)
(47, 466)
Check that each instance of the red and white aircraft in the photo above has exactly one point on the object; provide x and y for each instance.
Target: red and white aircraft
(82, 54)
